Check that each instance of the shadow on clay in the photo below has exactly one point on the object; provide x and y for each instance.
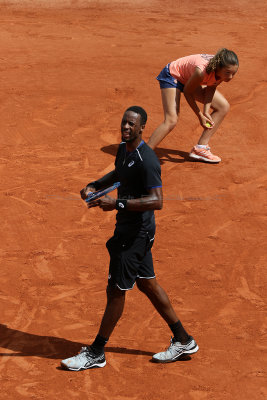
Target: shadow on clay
(164, 155)
(24, 344)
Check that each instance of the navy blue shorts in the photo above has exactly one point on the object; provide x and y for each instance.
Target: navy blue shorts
(130, 258)
(166, 80)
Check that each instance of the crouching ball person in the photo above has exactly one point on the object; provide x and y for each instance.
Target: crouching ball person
(140, 193)
(197, 76)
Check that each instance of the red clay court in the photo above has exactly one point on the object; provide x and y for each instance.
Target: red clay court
(69, 69)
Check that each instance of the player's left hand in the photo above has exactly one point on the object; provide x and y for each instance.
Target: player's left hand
(107, 203)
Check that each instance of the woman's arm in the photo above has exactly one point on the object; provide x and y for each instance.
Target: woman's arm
(190, 87)
(209, 93)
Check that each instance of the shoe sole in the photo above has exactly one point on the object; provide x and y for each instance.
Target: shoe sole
(64, 366)
(191, 351)
(196, 157)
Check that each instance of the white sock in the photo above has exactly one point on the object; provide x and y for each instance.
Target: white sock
(202, 146)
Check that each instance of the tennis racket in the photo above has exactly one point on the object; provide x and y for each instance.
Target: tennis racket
(99, 193)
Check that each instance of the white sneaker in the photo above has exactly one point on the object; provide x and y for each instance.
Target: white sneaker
(84, 360)
(175, 351)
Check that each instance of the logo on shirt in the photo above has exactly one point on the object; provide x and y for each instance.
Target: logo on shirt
(121, 205)
(131, 164)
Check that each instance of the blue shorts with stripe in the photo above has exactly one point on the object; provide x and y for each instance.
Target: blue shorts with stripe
(166, 80)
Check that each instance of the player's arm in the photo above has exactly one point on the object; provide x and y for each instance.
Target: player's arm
(102, 183)
(208, 96)
(153, 201)
(190, 87)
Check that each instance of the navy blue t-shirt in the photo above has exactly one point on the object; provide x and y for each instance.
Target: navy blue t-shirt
(138, 172)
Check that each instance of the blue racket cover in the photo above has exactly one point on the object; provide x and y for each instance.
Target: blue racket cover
(99, 193)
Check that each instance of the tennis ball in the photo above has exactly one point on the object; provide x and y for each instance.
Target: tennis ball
(208, 125)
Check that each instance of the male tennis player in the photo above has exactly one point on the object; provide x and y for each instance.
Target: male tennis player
(137, 168)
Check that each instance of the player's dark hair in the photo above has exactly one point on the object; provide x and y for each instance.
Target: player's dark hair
(140, 111)
(222, 58)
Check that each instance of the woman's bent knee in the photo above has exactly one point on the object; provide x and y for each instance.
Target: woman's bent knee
(223, 108)
(226, 107)
(171, 122)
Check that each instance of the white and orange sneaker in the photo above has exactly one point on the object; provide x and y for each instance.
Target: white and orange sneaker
(204, 154)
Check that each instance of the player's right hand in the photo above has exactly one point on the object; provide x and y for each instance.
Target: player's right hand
(206, 121)
(84, 192)
(107, 203)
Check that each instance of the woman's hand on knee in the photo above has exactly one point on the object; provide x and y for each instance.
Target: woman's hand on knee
(206, 121)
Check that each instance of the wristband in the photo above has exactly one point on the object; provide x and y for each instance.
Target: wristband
(121, 204)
